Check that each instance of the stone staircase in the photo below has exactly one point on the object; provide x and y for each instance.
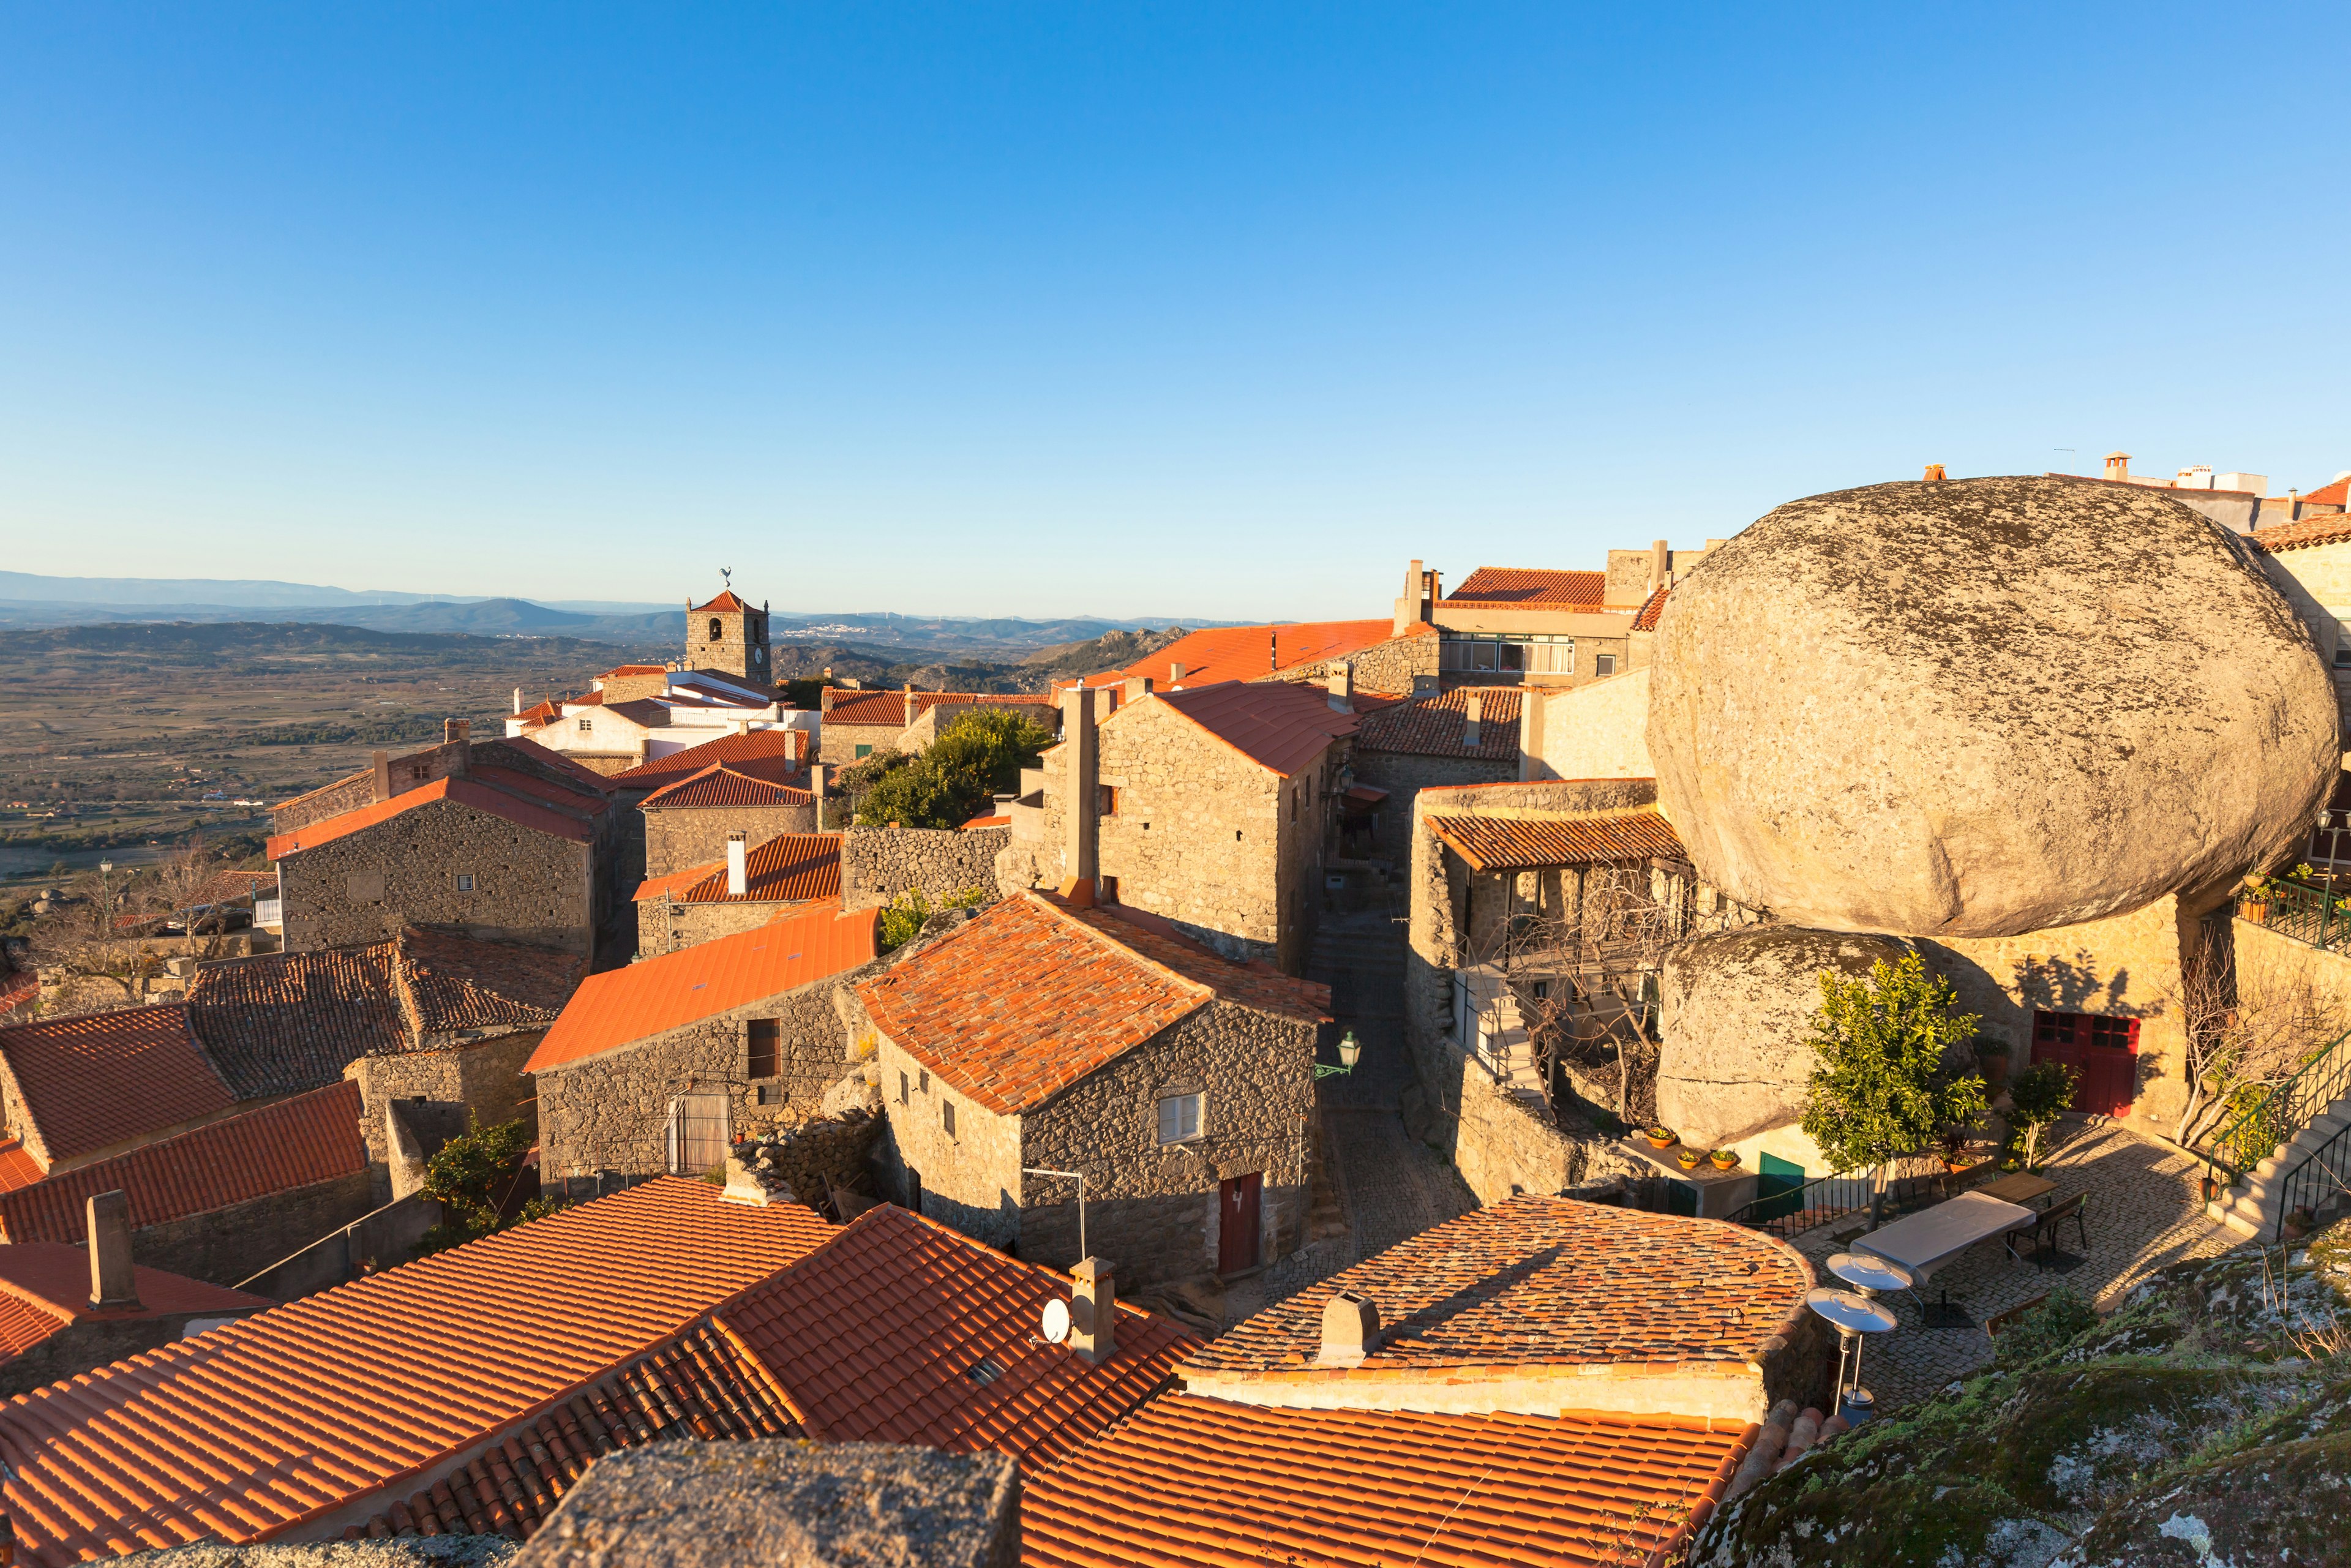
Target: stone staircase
(1500, 1038)
(2250, 1207)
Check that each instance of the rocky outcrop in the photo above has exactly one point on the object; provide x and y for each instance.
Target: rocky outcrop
(807, 1163)
(1734, 1009)
(1986, 706)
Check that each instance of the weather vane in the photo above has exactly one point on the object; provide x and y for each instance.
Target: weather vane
(726, 576)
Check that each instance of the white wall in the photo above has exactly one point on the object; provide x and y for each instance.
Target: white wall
(1596, 731)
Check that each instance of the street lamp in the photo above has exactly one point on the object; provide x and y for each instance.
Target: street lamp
(1350, 1050)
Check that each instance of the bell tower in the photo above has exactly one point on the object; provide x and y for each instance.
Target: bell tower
(730, 636)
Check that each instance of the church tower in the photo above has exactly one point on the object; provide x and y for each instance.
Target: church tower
(728, 636)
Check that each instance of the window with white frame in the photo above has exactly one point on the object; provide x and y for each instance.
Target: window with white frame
(1506, 652)
(1179, 1117)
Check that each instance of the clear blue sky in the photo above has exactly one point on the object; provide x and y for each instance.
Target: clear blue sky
(1030, 308)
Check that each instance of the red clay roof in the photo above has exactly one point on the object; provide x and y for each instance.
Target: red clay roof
(719, 785)
(1187, 1481)
(540, 792)
(23, 1325)
(1030, 999)
(619, 670)
(875, 1335)
(656, 995)
(881, 710)
(1524, 585)
(1250, 653)
(2336, 494)
(312, 1407)
(457, 792)
(791, 868)
(727, 600)
(2332, 529)
(590, 781)
(1277, 725)
(1516, 843)
(103, 1079)
(287, 1144)
(1651, 608)
(978, 822)
(762, 753)
(54, 1276)
(1256, 984)
(1542, 1282)
(18, 1167)
(1433, 726)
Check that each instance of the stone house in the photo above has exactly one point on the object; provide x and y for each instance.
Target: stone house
(1469, 734)
(1514, 626)
(782, 758)
(2310, 562)
(638, 713)
(857, 724)
(1048, 1034)
(689, 823)
(52, 1326)
(66, 1092)
(663, 1065)
(519, 766)
(1213, 806)
(749, 885)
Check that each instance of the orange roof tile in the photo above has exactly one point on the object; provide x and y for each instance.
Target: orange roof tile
(882, 710)
(656, 995)
(719, 785)
(54, 1276)
(538, 792)
(1524, 585)
(1188, 1481)
(23, 1325)
(1030, 998)
(2332, 529)
(458, 791)
(978, 822)
(18, 1166)
(762, 753)
(74, 1078)
(619, 669)
(1255, 983)
(2337, 494)
(876, 1337)
(727, 600)
(1651, 608)
(1542, 1282)
(1433, 726)
(307, 1409)
(1516, 843)
(791, 868)
(590, 781)
(283, 1145)
(1250, 653)
(1277, 725)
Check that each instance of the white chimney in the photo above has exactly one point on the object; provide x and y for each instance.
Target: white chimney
(1343, 688)
(1093, 1311)
(1351, 1330)
(110, 1280)
(1474, 714)
(738, 875)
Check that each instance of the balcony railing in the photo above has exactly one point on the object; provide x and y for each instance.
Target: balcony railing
(2276, 1115)
(2305, 913)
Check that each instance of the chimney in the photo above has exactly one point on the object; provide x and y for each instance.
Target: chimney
(1935, 474)
(111, 1281)
(381, 762)
(1661, 566)
(2118, 466)
(458, 732)
(824, 696)
(1093, 1311)
(1176, 673)
(1351, 1330)
(1137, 687)
(1080, 754)
(1473, 715)
(1343, 687)
(518, 707)
(1530, 735)
(738, 873)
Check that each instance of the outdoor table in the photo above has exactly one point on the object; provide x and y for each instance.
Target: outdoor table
(2022, 1188)
(1932, 1238)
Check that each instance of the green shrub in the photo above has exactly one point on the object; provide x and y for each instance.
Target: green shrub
(2056, 1322)
(472, 1178)
(978, 756)
(903, 918)
(1881, 1089)
(2040, 1094)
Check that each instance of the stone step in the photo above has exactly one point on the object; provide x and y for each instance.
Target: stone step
(2250, 1208)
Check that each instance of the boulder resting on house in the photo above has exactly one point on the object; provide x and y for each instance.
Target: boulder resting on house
(1980, 707)
(1734, 1009)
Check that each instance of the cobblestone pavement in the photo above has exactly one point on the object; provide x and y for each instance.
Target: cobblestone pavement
(2143, 1213)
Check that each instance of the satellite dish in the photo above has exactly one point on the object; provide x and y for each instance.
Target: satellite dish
(1056, 1326)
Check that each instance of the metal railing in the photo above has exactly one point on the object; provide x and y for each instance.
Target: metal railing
(1816, 1202)
(2324, 1173)
(2283, 1110)
(2305, 913)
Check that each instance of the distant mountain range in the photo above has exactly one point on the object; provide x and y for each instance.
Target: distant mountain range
(27, 599)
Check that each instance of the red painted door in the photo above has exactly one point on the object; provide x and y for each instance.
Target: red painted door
(2102, 1052)
(1237, 1223)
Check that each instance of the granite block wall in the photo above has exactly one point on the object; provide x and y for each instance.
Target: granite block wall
(879, 865)
(678, 837)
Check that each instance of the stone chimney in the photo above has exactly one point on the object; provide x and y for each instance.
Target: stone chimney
(111, 1281)
(1661, 566)
(1473, 716)
(1080, 764)
(1176, 673)
(1343, 688)
(381, 762)
(738, 873)
(1417, 603)
(518, 707)
(458, 733)
(1093, 1311)
(824, 697)
(1137, 687)
(1351, 1330)
(2118, 466)
(1530, 735)
(816, 782)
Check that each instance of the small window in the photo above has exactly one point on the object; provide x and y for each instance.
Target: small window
(1236, 835)
(1179, 1118)
(1106, 800)
(763, 1048)
(771, 1094)
(2343, 658)
(419, 772)
(902, 1089)
(946, 1116)
(864, 751)
(1514, 656)
(923, 1079)
(465, 881)
(1604, 664)
(586, 724)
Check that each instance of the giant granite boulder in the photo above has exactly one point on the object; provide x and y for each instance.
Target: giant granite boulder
(1733, 1010)
(1978, 707)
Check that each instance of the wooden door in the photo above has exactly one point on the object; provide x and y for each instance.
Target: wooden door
(2103, 1051)
(1237, 1222)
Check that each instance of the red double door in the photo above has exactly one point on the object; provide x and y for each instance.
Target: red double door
(2102, 1052)
(1237, 1222)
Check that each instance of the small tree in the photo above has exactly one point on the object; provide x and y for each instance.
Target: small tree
(474, 1177)
(979, 755)
(1882, 1089)
(2040, 1094)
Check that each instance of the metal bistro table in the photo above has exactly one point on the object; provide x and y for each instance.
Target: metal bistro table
(1926, 1241)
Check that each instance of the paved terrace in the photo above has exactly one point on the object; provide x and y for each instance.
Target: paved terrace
(2144, 1212)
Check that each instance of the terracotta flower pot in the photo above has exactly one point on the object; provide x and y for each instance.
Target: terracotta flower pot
(2256, 912)
(1724, 1159)
(1687, 1159)
(1660, 1137)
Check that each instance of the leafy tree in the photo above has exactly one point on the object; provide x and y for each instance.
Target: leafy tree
(977, 755)
(1881, 1089)
(473, 1177)
(2040, 1094)
(903, 918)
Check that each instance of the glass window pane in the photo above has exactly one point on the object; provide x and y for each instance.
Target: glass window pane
(1514, 656)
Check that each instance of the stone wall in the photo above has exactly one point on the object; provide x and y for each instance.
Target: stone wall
(2317, 580)
(443, 1093)
(232, 1244)
(879, 865)
(1596, 731)
(1403, 775)
(679, 837)
(839, 745)
(665, 927)
(529, 886)
(938, 717)
(812, 1158)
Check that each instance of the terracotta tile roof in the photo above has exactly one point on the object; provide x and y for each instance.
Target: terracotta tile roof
(51, 1280)
(2332, 529)
(619, 670)
(298, 1413)
(1433, 725)
(230, 887)
(1030, 998)
(1257, 984)
(458, 791)
(279, 1147)
(762, 753)
(719, 785)
(1542, 1281)
(791, 868)
(1187, 1481)
(1651, 608)
(74, 1078)
(655, 994)
(1252, 653)
(983, 822)
(23, 1325)
(648, 712)
(450, 982)
(1276, 724)
(1522, 585)
(529, 751)
(2337, 494)
(18, 1167)
(925, 701)
(881, 710)
(1508, 843)
(540, 791)
(544, 713)
(875, 1336)
(727, 600)
(699, 1385)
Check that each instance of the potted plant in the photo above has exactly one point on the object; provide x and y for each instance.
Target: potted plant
(1723, 1159)
(1660, 1137)
(1686, 1158)
(1953, 1143)
(1991, 1061)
